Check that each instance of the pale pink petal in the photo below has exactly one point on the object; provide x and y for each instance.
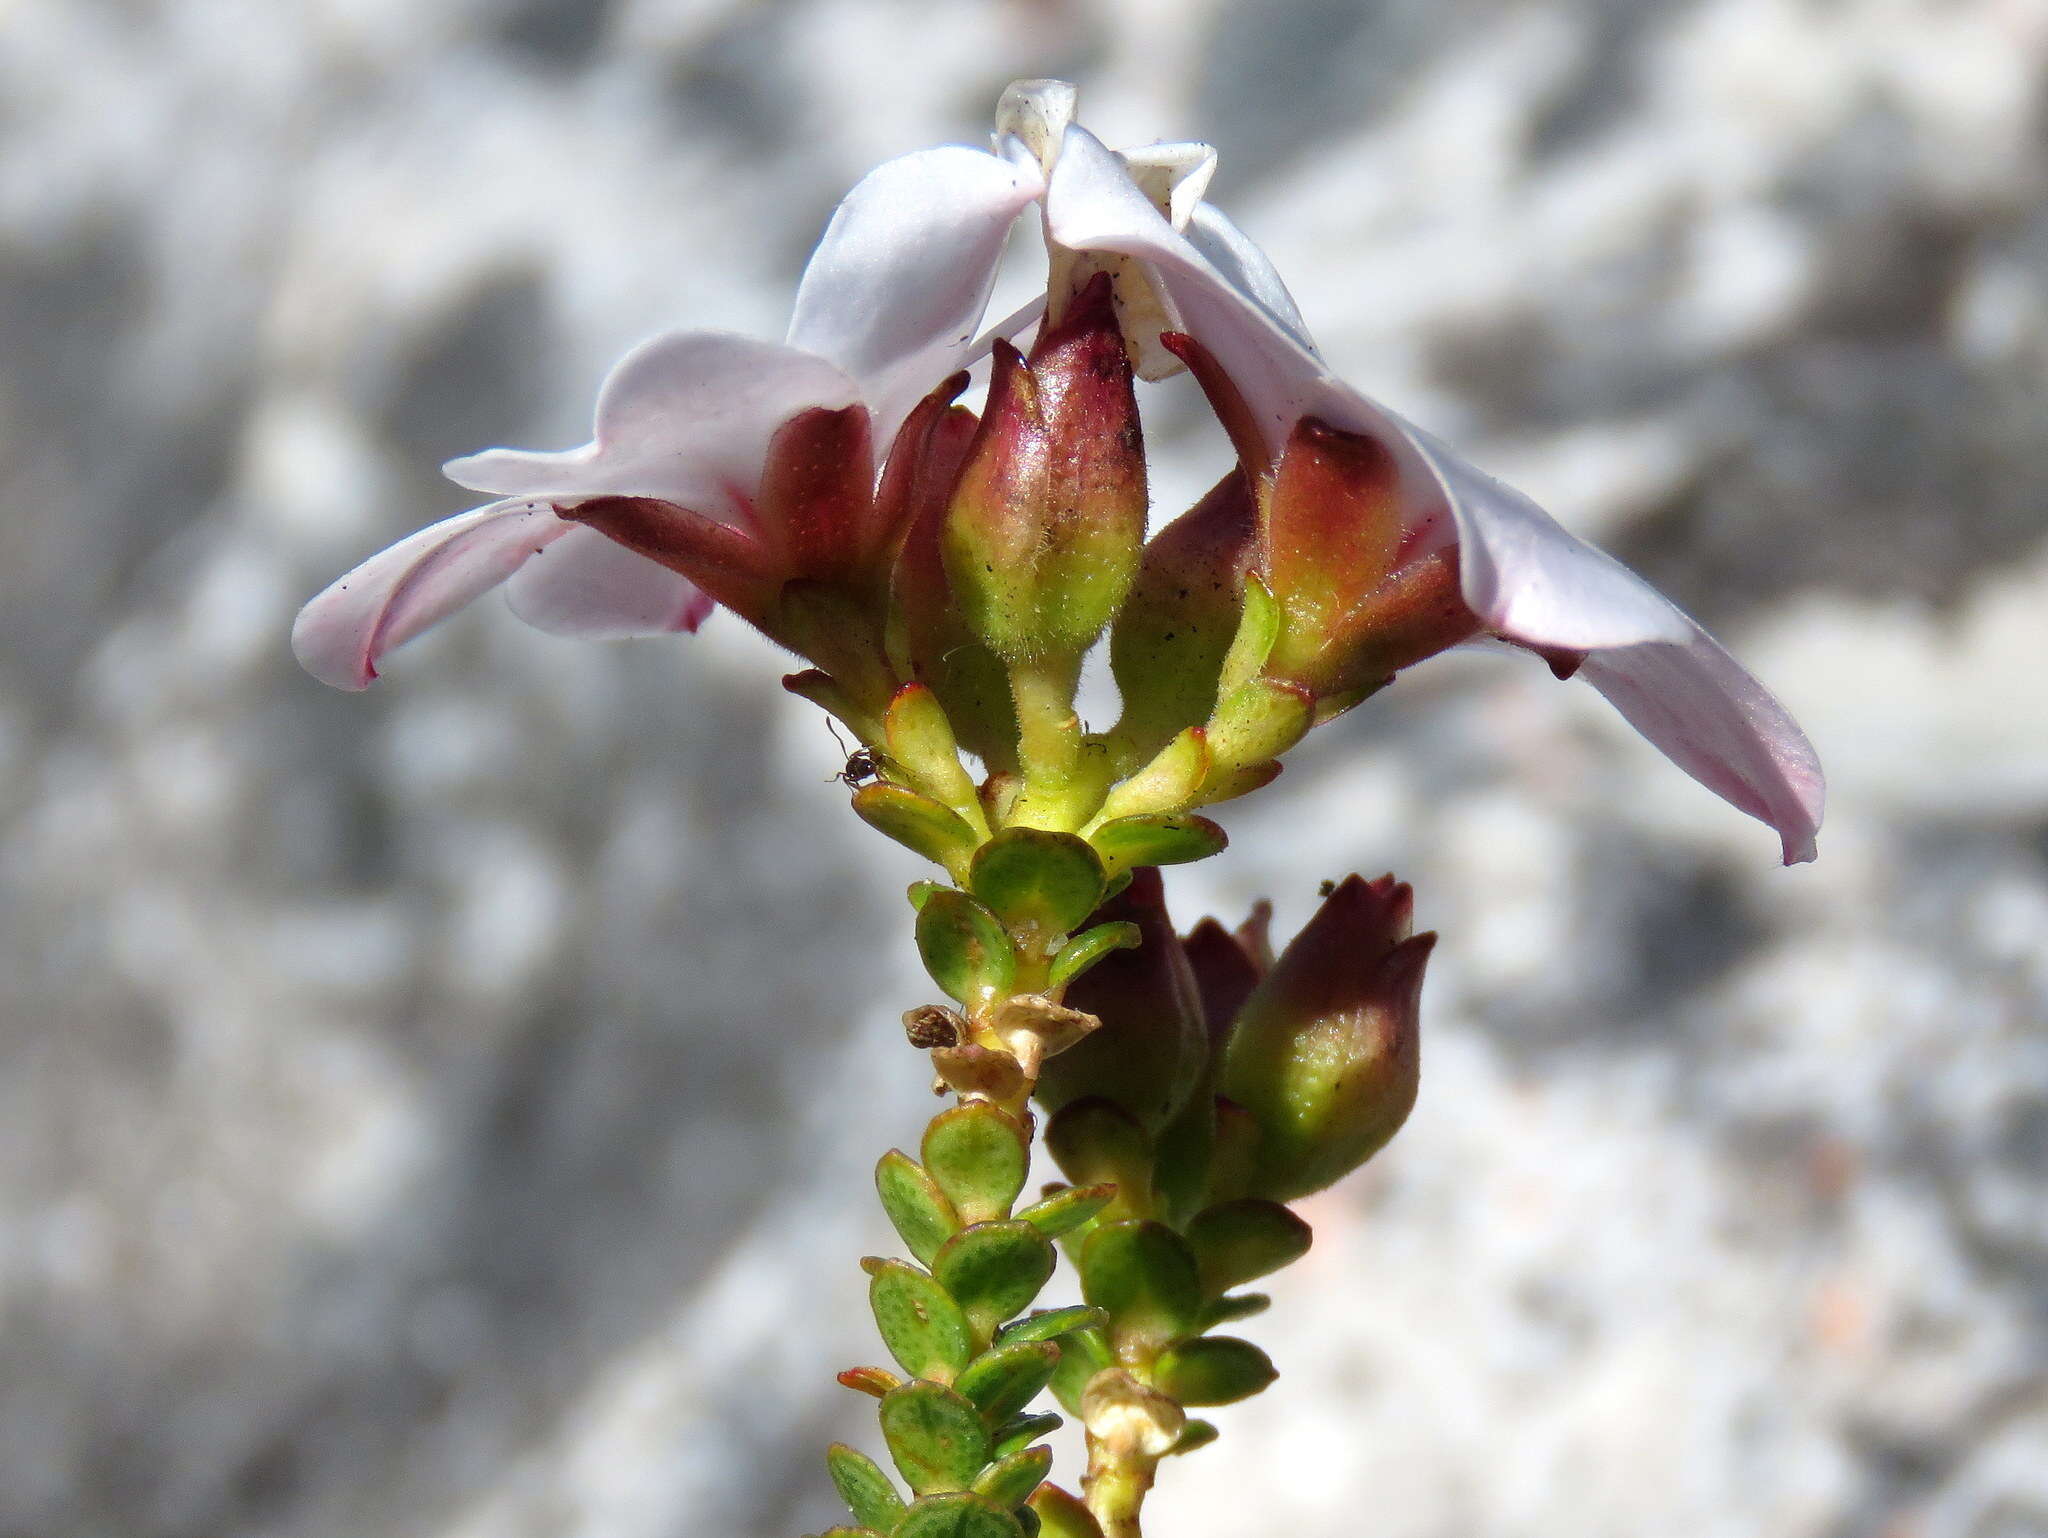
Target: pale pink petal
(1522, 573)
(393, 596)
(1722, 727)
(895, 292)
(587, 585)
(685, 418)
(1249, 270)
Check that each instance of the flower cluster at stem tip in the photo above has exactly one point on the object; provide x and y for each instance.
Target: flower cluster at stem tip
(942, 572)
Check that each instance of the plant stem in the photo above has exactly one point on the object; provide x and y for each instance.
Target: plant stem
(1116, 1485)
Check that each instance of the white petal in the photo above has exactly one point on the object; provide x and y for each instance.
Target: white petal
(1250, 271)
(1717, 723)
(1522, 573)
(895, 292)
(587, 585)
(685, 417)
(393, 596)
(1173, 175)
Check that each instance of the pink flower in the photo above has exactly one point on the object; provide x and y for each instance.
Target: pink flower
(693, 430)
(1524, 578)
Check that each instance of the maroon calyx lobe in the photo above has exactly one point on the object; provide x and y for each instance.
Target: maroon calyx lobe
(1357, 604)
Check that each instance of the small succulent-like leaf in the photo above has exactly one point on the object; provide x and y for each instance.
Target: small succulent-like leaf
(1216, 1369)
(979, 1156)
(918, 823)
(938, 1438)
(1062, 1515)
(920, 1323)
(1034, 879)
(1144, 1275)
(873, 1381)
(1157, 838)
(1052, 1323)
(1023, 1431)
(1067, 1209)
(1083, 1353)
(964, 1515)
(965, 949)
(849, 1532)
(994, 1270)
(920, 893)
(1097, 1142)
(1195, 1434)
(1089, 947)
(1001, 1382)
(1242, 1306)
(1009, 1481)
(864, 1487)
(1238, 1242)
(923, 1216)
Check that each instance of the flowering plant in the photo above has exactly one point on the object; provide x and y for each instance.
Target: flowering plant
(943, 572)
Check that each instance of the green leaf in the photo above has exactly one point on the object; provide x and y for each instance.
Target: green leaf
(1066, 1210)
(1034, 879)
(965, 949)
(918, 823)
(994, 1270)
(1216, 1369)
(1023, 1431)
(923, 1216)
(1240, 1241)
(920, 893)
(1144, 1274)
(979, 1156)
(920, 1323)
(958, 1516)
(1157, 838)
(936, 1436)
(864, 1487)
(849, 1532)
(1097, 1143)
(1052, 1323)
(1243, 1306)
(1083, 1353)
(1061, 1515)
(1195, 1434)
(1009, 1481)
(1001, 1382)
(1089, 947)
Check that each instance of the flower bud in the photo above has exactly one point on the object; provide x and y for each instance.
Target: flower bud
(1150, 1050)
(1325, 1052)
(1043, 534)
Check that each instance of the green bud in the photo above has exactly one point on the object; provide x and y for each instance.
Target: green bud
(1325, 1053)
(1046, 523)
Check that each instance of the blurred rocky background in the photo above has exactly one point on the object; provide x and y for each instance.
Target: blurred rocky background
(448, 1111)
